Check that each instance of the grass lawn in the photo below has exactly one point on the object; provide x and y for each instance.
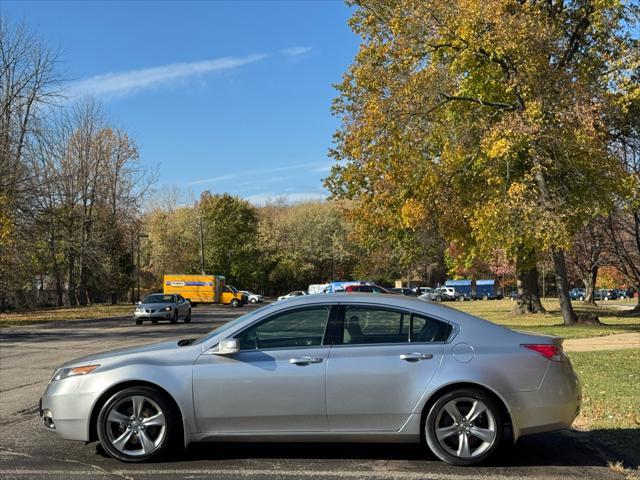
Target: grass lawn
(56, 314)
(610, 314)
(610, 391)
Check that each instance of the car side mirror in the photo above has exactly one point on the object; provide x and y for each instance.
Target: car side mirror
(228, 346)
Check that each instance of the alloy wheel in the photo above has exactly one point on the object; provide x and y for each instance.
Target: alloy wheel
(465, 427)
(136, 425)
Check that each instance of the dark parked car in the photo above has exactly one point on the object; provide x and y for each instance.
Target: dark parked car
(577, 294)
(365, 289)
(403, 291)
(624, 293)
(605, 294)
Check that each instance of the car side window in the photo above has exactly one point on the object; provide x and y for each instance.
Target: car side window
(424, 329)
(297, 328)
(368, 325)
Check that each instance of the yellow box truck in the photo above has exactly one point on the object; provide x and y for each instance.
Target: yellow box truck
(202, 289)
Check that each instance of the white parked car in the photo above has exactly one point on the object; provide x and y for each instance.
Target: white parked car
(252, 297)
(296, 293)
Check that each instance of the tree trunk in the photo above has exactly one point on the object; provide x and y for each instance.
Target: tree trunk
(562, 284)
(71, 290)
(528, 292)
(590, 285)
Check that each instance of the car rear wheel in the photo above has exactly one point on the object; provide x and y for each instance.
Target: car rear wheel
(188, 317)
(464, 427)
(253, 300)
(235, 302)
(136, 424)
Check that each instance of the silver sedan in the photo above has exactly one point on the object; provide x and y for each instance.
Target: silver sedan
(158, 306)
(343, 367)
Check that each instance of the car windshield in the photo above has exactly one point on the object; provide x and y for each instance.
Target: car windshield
(231, 324)
(232, 288)
(158, 298)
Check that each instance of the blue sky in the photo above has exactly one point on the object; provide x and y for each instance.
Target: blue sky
(222, 96)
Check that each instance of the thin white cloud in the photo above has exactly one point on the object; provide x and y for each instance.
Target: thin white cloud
(295, 51)
(313, 167)
(262, 199)
(132, 81)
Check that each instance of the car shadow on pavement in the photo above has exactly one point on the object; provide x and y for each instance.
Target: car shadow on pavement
(568, 448)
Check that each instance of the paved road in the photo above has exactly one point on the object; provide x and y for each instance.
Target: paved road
(29, 354)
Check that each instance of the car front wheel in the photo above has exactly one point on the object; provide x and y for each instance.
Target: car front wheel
(464, 427)
(235, 302)
(188, 317)
(136, 424)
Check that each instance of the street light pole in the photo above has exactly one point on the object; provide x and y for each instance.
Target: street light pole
(201, 245)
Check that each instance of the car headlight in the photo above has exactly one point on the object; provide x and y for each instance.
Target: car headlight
(138, 309)
(63, 373)
(167, 309)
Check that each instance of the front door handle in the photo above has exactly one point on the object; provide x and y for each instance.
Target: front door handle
(416, 356)
(304, 360)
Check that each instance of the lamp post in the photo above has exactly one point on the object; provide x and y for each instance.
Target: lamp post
(141, 235)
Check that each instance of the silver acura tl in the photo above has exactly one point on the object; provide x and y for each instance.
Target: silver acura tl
(336, 367)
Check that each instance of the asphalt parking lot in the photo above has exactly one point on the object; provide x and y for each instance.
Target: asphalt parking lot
(28, 355)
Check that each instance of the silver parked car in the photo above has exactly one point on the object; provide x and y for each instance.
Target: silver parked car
(343, 367)
(252, 297)
(158, 306)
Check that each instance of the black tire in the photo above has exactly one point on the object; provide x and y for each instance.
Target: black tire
(166, 436)
(188, 317)
(491, 420)
(235, 302)
(138, 321)
(175, 316)
(438, 298)
(484, 297)
(253, 300)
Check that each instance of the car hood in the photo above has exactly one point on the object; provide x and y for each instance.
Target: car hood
(155, 306)
(121, 352)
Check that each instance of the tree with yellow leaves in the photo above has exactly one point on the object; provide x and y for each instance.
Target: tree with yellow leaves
(490, 117)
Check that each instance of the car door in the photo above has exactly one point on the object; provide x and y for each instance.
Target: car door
(380, 367)
(275, 383)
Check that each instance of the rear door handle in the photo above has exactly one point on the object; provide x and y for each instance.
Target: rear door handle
(416, 356)
(304, 360)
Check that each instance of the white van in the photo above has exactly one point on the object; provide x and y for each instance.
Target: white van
(317, 288)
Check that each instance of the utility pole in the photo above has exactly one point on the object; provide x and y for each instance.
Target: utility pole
(141, 235)
(201, 245)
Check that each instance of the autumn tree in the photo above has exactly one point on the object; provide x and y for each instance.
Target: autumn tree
(230, 227)
(490, 118)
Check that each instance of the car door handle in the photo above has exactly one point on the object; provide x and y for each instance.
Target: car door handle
(416, 356)
(304, 360)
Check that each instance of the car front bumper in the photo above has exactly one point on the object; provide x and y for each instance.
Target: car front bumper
(65, 410)
(155, 315)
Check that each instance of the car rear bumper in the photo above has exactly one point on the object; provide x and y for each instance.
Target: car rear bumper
(554, 406)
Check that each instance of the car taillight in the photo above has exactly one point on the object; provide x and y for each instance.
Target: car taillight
(549, 351)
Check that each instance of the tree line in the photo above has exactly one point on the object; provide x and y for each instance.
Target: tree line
(71, 185)
(477, 139)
